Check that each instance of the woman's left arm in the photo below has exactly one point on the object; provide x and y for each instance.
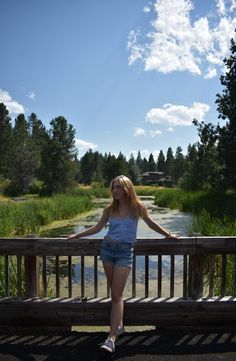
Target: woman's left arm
(156, 227)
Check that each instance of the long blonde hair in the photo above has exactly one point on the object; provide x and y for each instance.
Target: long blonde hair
(137, 209)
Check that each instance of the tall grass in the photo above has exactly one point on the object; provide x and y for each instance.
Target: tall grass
(208, 225)
(19, 218)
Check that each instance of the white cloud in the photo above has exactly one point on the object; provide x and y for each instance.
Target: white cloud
(84, 145)
(178, 43)
(211, 73)
(31, 95)
(221, 7)
(177, 114)
(139, 131)
(170, 129)
(154, 133)
(12, 106)
(137, 51)
(146, 9)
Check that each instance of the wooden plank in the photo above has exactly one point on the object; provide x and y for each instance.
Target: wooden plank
(44, 275)
(91, 247)
(69, 276)
(19, 276)
(7, 276)
(185, 276)
(134, 277)
(82, 276)
(172, 275)
(159, 276)
(174, 311)
(146, 277)
(95, 276)
(57, 268)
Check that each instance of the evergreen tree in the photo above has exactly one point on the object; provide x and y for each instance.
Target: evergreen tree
(122, 165)
(98, 168)
(161, 162)
(5, 140)
(179, 164)
(87, 167)
(39, 138)
(139, 162)
(59, 157)
(110, 168)
(169, 164)
(151, 164)
(134, 171)
(227, 110)
(23, 165)
(203, 169)
(145, 165)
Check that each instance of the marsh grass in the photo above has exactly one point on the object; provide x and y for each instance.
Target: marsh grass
(20, 218)
(13, 276)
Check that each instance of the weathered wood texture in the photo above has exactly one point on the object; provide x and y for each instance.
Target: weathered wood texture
(144, 311)
(200, 255)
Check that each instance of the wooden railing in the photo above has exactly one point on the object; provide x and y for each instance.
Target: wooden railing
(37, 273)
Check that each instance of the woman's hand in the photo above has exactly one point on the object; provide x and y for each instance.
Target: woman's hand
(73, 236)
(172, 236)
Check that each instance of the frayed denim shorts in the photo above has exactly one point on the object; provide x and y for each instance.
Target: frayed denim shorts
(118, 252)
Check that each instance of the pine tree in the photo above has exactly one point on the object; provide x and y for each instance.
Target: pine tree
(161, 162)
(151, 164)
(23, 165)
(59, 157)
(169, 164)
(5, 140)
(227, 111)
(179, 164)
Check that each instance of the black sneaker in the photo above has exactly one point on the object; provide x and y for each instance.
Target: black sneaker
(109, 345)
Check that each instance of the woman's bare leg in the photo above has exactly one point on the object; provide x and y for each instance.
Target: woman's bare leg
(117, 278)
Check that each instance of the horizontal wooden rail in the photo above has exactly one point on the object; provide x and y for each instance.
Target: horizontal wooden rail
(138, 311)
(91, 247)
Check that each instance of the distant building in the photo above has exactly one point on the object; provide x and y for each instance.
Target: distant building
(157, 178)
(151, 177)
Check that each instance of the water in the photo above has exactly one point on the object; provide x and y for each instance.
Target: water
(172, 220)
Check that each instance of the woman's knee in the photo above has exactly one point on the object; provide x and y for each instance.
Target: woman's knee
(116, 297)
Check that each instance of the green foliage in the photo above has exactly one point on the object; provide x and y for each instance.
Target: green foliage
(218, 204)
(58, 157)
(13, 281)
(5, 140)
(208, 225)
(24, 217)
(226, 106)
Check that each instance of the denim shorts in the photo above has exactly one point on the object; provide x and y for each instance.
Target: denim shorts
(117, 252)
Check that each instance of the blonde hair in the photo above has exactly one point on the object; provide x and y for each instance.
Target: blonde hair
(137, 209)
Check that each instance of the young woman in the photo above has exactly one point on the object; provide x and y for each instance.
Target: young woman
(117, 247)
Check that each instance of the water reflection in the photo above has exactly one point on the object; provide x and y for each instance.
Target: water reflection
(173, 220)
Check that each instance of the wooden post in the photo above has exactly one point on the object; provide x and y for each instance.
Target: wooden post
(31, 274)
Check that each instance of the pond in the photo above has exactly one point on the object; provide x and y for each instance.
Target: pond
(173, 220)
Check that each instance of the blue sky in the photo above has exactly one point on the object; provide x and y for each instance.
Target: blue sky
(128, 74)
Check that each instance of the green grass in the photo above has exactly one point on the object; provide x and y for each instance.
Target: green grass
(20, 218)
(213, 212)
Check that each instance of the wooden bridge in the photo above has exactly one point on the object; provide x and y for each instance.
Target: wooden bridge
(36, 272)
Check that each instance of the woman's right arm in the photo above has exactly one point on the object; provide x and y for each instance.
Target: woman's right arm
(95, 229)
